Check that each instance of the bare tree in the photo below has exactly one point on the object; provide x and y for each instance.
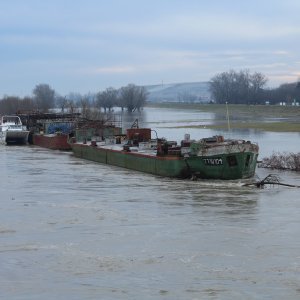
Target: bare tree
(257, 82)
(237, 87)
(61, 102)
(85, 107)
(133, 97)
(9, 105)
(287, 92)
(71, 107)
(107, 99)
(44, 97)
(12, 105)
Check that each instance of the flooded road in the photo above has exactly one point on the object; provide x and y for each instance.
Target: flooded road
(74, 229)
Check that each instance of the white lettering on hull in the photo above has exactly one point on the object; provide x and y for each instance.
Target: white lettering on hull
(213, 161)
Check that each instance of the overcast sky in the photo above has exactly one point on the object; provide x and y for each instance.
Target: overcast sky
(87, 46)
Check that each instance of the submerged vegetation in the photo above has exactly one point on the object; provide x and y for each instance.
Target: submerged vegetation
(282, 161)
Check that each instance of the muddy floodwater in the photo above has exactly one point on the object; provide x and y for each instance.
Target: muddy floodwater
(74, 229)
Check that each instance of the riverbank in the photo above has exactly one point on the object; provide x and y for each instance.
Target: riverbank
(260, 117)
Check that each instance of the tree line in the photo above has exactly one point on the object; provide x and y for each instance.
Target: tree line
(242, 87)
(235, 87)
(130, 98)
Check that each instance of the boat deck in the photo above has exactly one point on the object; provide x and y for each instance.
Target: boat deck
(120, 147)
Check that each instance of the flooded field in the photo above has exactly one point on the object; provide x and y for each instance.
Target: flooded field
(74, 229)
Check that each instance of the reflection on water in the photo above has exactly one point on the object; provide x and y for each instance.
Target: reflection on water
(74, 229)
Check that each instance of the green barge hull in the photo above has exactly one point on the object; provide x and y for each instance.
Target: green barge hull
(225, 166)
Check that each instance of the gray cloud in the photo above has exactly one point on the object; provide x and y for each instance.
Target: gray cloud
(89, 45)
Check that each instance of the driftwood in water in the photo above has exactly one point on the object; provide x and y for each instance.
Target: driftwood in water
(282, 161)
(271, 179)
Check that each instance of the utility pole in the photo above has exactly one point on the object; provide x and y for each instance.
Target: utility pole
(227, 114)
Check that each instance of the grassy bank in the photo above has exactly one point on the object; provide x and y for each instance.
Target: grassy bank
(261, 117)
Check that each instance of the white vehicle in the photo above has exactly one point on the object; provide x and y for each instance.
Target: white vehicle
(12, 131)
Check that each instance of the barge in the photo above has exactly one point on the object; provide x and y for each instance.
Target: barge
(208, 158)
(54, 141)
(50, 130)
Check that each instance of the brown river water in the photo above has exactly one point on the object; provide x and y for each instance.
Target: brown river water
(74, 229)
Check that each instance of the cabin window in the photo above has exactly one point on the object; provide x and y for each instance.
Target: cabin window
(247, 160)
(232, 161)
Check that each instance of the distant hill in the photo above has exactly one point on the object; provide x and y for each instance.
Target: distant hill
(179, 92)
